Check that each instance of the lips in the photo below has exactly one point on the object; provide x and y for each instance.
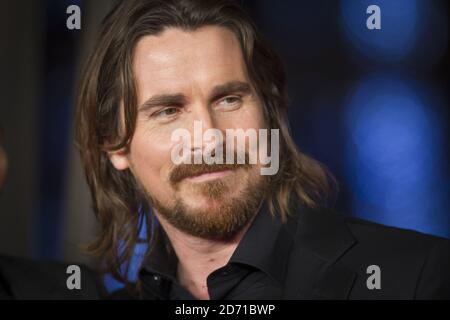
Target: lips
(202, 172)
(209, 176)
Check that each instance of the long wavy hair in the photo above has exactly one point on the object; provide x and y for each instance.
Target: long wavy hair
(107, 85)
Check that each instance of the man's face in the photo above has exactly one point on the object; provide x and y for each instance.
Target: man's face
(183, 77)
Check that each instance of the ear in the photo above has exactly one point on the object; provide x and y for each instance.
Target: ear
(119, 159)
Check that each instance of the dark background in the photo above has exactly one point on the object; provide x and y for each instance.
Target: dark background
(372, 105)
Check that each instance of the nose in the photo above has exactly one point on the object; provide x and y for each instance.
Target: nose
(202, 113)
(202, 120)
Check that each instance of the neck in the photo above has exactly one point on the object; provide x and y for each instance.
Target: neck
(198, 257)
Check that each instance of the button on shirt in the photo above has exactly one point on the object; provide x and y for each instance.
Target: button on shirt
(256, 269)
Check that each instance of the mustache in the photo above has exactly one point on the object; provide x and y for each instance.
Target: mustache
(183, 171)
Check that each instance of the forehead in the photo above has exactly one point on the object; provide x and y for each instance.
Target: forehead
(177, 60)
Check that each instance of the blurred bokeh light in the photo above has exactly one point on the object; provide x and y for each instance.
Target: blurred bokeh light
(411, 30)
(394, 154)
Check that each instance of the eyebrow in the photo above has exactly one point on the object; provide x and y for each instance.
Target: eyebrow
(163, 100)
(180, 99)
(230, 87)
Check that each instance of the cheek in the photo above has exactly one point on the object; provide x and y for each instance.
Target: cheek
(249, 117)
(150, 159)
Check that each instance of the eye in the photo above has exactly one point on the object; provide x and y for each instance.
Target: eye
(230, 101)
(166, 113)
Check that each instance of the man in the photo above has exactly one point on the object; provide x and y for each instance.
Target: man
(21, 278)
(219, 230)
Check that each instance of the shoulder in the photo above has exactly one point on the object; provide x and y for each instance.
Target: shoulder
(412, 255)
(22, 278)
(412, 264)
(397, 238)
(371, 234)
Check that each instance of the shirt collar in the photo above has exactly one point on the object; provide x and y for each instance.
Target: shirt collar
(161, 258)
(266, 245)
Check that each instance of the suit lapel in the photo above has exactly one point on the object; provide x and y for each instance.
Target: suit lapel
(321, 239)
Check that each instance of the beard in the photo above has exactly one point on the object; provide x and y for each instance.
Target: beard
(227, 215)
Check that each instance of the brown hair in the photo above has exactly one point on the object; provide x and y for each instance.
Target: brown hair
(108, 82)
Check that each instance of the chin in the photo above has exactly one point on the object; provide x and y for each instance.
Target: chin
(203, 203)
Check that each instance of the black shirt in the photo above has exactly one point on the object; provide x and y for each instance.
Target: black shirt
(256, 269)
(316, 254)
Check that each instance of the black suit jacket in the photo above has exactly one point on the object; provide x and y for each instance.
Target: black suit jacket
(330, 255)
(22, 278)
